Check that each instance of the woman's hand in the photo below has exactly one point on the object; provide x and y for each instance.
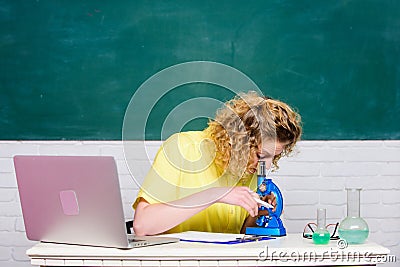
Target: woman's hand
(241, 196)
(250, 221)
(271, 199)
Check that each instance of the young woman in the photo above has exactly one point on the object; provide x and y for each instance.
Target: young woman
(206, 180)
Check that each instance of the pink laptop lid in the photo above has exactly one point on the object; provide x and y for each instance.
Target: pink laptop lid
(71, 199)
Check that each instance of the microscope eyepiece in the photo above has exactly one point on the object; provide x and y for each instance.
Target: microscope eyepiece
(262, 171)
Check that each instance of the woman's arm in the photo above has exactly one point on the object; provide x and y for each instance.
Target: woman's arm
(151, 219)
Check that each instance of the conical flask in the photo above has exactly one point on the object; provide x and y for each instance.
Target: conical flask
(353, 228)
(321, 235)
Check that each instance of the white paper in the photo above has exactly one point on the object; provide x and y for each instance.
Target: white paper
(206, 236)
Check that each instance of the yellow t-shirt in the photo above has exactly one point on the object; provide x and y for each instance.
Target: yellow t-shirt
(184, 165)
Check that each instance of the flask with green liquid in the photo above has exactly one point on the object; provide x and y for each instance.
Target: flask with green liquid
(321, 235)
(353, 228)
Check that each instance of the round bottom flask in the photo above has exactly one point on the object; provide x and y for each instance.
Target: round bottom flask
(353, 228)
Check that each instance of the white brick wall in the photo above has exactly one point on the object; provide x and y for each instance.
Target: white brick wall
(314, 177)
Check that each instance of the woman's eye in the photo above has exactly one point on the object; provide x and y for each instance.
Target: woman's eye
(261, 156)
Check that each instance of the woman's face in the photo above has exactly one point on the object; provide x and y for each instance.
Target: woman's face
(266, 153)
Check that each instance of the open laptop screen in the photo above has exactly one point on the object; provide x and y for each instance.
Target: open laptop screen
(71, 199)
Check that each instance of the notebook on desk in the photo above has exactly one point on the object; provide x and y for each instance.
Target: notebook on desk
(75, 200)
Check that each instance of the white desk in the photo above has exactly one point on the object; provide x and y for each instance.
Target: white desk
(292, 250)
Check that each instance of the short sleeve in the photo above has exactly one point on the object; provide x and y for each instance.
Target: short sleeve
(179, 169)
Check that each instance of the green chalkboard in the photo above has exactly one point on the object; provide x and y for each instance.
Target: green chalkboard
(70, 68)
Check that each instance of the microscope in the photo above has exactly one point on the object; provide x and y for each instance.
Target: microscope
(270, 225)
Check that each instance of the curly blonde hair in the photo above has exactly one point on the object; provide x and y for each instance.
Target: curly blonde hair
(244, 122)
(288, 126)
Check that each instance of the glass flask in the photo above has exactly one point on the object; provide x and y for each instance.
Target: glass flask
(321, 235)
(353, 228)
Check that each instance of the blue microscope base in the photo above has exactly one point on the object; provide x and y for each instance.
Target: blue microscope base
(265, 231)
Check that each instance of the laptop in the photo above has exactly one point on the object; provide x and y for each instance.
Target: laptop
(75, 200)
